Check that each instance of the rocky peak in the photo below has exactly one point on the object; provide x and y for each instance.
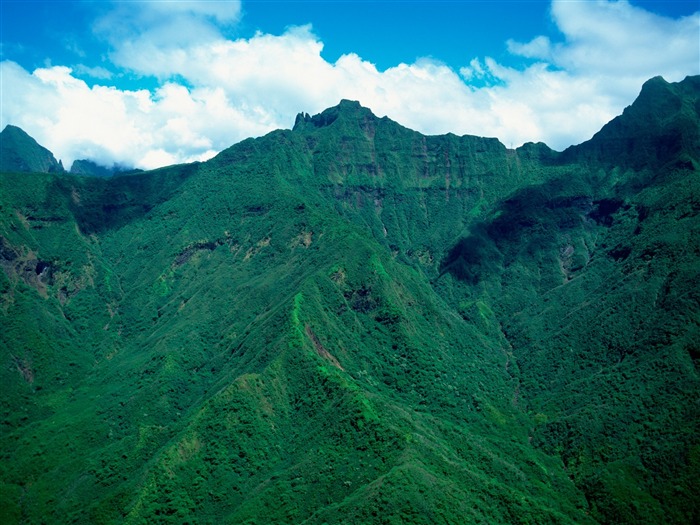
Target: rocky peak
(347, 111)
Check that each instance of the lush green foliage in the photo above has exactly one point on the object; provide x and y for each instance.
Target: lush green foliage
(350, 322)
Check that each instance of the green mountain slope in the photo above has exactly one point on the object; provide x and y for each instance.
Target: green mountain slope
(350, 322)
(21, 153)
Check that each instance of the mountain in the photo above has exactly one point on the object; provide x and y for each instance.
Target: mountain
(660, 127)
(90, 168)
(351, 322)
(21, 153)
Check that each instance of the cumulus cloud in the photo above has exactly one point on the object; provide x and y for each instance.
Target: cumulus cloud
(152, 31)
(617, 41)
(138, 128)
(216, 91)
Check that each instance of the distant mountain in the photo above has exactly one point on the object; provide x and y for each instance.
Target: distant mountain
(352, 322)
(88, 167)
(21, 153)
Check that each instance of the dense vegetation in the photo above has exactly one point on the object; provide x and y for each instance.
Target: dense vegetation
(350, 322)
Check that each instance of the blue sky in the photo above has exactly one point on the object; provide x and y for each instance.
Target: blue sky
(153, 83)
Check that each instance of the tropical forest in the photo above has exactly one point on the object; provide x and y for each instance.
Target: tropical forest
(350, 322)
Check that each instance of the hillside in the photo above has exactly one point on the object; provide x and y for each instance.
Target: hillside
(351, 322)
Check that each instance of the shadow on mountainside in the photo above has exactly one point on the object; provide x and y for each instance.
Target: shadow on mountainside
(104, 204)
(531, 223)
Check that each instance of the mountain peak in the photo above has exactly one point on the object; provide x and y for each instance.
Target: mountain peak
(345, 111)
(19, 152)
(13, 130)
(658, 126)
(349, 105)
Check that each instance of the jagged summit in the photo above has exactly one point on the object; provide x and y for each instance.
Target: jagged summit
(346, 111)
(19, 152)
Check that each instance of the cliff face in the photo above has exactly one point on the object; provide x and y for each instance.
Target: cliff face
(352, 322)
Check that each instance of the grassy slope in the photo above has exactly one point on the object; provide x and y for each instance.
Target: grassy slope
(352, 322)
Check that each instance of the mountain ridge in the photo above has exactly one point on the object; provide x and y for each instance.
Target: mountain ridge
(666, 99)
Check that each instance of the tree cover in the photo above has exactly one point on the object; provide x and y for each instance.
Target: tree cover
(351, 322)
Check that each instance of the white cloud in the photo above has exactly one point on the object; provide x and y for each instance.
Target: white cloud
(156, 28)
(97, 72)
(618, 43)
(539, 47)
(108, 125)
(246, 87)
(616, 38)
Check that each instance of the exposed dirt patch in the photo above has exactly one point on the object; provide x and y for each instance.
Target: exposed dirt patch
(24, 367)
(202, 246)
(320, 349)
